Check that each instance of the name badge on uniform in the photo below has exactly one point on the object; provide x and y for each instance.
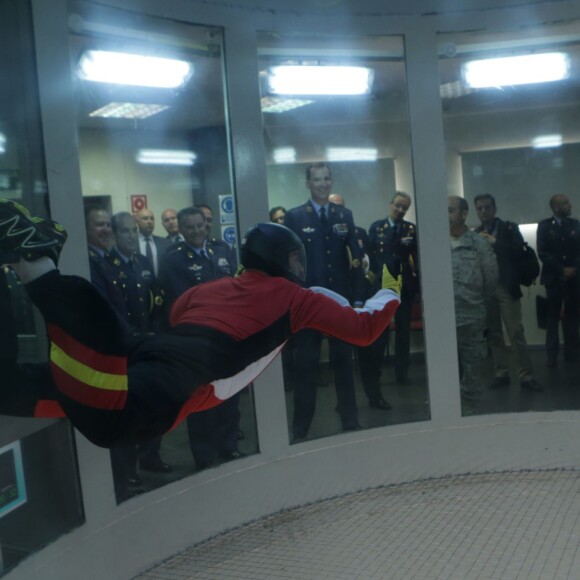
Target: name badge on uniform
(340, 229)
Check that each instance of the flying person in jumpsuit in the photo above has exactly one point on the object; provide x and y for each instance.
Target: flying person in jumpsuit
(223, 334)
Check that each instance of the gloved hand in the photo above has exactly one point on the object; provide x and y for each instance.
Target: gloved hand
(391, 283)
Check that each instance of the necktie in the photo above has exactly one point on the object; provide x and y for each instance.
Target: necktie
(323, 218)
(203, 254)
(149, 251)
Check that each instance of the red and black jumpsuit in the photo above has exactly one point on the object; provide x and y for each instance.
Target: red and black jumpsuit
(224, 333)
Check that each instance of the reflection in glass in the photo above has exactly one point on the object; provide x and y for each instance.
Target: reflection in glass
(349, 153)
(39, 492)
(151, 146)
(512, 144)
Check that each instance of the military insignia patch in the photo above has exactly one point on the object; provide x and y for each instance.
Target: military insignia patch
(340, 229)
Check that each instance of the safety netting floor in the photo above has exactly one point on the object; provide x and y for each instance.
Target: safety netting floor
(523, 525)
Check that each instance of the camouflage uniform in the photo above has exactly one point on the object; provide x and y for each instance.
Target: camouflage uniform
(475, 275)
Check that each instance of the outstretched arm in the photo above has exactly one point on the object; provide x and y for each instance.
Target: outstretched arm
(323, 310)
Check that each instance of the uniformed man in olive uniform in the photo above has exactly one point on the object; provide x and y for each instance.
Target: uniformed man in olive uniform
(189, 263)
(393, 242)
(475, 277)
(335, 262)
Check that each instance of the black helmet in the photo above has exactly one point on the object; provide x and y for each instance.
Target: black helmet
(267, 247)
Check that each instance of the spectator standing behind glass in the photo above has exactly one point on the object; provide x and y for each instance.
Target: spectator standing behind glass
(475, 276)
(508, 245)
(558, 244)
(189, 263)
(151, 246)
(361, 235)
(334, 262)
(169, 222)
(144, 309)
(277, 215)
(105, 280)
(392, 242)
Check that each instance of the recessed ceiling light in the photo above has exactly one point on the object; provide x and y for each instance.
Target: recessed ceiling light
(123, 68)
(351, 154)
(319, 80)
(281, 105)
(516, 70)
(128, 110)
(165, 157)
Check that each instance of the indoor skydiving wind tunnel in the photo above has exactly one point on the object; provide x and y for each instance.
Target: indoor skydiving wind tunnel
(471, 376)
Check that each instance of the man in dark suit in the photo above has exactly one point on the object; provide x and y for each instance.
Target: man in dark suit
(558, 244)
(154, 247)
(187, 264)
(169, 222)
(508, 245)
(392, 242)
(334, 262)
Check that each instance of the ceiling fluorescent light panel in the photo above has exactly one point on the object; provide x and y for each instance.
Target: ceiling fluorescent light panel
(165, 157)
(319, 80)
(546, 141)
(516, 70)
(122, 68)
(351, 154)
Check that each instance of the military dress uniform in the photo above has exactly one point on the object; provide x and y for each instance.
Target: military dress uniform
(394, 245)
(144, 298)
(215, 429)
(558, 244)
(183, 267)
(106, 281)
(475, 276)
(334, 261)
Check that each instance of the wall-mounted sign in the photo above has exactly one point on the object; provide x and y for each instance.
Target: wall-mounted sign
(229, 235)
(227, 210)
(138, 202)
(12, 487)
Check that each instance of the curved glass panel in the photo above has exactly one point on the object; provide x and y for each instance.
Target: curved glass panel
(39, 491)
(510, 102)
(153, 140)
(337, 134)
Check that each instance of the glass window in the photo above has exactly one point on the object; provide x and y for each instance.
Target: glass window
(153, 140)
(510, 102)
(39, 492)
(336, 132)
